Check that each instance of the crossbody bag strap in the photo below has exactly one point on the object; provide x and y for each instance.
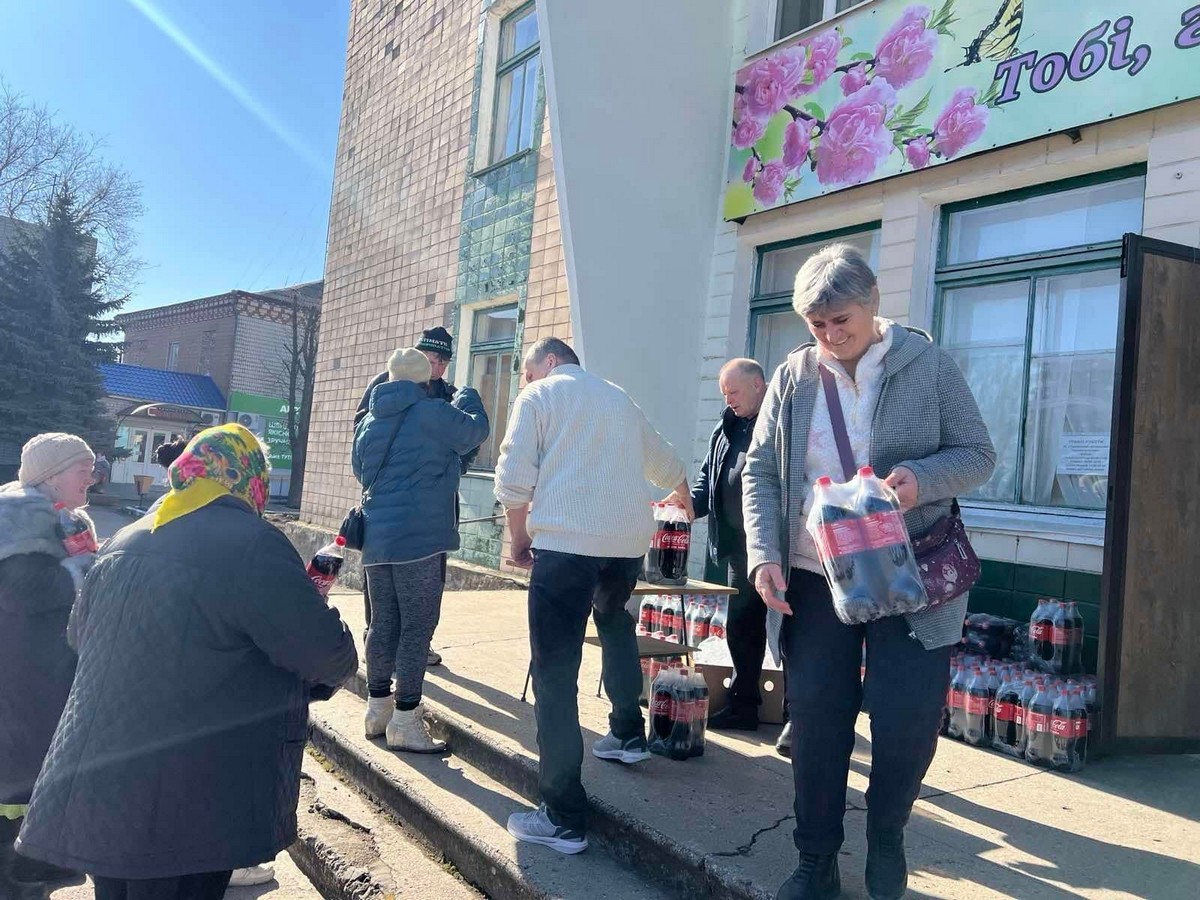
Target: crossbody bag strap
(838, 420)
(386, 453)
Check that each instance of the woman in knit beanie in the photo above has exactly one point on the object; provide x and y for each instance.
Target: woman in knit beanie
(38, 583)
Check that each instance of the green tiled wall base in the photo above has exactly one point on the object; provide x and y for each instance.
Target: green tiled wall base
(1013, 590)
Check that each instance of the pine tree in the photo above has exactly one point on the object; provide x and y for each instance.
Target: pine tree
(54, 315)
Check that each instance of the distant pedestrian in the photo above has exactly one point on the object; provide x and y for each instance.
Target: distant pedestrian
(572, 477)
(406, 455)
(204, 610)
(101, 473)
(438, 346)
(38, 583)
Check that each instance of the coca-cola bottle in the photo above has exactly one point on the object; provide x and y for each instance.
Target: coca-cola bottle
(958, 703)
(842, 548)
(647, 614)
(679, 745)
(885, 532)
(1060, 638)
(700, 622)
(1074, 620)
(74, 532)
(720, 618)
(673, 630)
(1004, 723)
(699, 713)
(323, 568)
(1068, 725)
(1041, 625)
(975, 719)
(667, 558)
(661, 711)
(1039, 741)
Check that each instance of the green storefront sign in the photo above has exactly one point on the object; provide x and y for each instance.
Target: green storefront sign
(896, 86)
(275, 431)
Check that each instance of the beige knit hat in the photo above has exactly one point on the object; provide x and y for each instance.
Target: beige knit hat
(409, 364)
(46, 455)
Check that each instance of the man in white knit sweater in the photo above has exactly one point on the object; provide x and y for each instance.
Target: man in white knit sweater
(572, 477)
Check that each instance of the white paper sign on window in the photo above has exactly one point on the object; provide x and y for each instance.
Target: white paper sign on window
(1085, 453)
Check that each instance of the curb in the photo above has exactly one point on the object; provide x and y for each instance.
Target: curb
(676, 867)
(478, 864)
(332, 876)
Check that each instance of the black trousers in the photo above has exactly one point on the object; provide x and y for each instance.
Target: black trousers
(564, 589)
(210, 886)
(906, 690)
(746, 634)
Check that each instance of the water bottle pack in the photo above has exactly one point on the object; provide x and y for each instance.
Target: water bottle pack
(864, 546)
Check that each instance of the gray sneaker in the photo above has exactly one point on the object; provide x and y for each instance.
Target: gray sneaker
(633, 750)
(536, 828)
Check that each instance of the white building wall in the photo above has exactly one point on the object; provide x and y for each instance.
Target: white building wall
(909, 206)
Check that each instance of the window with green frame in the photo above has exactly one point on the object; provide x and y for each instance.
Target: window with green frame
(775, 330)
(1027, 288)
(493, 346)
(517, 68)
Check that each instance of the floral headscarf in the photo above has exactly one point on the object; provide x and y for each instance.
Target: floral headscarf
(224, 461)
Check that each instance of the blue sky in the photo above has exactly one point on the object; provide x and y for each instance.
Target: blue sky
(236, 177)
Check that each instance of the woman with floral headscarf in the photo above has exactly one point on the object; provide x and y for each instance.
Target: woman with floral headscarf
(200, 637)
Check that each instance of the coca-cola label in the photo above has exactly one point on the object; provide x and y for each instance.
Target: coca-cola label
(717, 631)
(323, 582)
(1019, 714)
(1080, 728)
(80, 542)
(957, 698)
(1060, 636)
(683, 711)
(1039, 631)
(843, 538)
(661, 705)
(884, 529)
(976, 705)
(1061, 726)
(1039, 722)
(671, 540)
(1006, 712)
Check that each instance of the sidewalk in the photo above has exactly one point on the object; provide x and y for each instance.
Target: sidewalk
(985, 826)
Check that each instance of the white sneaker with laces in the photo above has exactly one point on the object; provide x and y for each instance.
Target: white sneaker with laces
(252, 875)
(379, 713)
(535, 827)
(408, 731)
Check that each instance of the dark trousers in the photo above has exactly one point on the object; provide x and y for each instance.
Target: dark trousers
(906, 690)
(563, 589)
(186, 887)
(746, 634)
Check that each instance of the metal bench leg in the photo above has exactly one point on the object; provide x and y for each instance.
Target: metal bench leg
(600, 683)
(528, 675)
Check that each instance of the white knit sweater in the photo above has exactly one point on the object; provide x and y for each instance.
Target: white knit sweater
(580, 451)
(859, 396)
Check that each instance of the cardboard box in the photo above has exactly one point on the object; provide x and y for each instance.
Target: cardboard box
(770, 686)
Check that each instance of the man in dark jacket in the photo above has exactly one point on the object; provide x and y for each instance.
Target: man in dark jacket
(717, 494)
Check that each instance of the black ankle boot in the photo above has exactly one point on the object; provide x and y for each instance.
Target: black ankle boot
(816, 878)
(887, 869)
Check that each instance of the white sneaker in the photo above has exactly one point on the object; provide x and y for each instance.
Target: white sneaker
(536, 828)
(408, 731)
(253, 875)
(433, 658)
(379, 713)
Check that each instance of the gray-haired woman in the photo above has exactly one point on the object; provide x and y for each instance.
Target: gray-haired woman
(910, 414)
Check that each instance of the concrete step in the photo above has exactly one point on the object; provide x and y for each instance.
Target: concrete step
(460, 809)
(351, 850)
(680, 869)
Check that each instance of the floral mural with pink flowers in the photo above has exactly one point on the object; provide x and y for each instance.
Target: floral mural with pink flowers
(896, 86)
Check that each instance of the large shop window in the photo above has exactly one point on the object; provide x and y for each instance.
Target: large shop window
(517, 67)
(796, 15)
(493, 339)
(775, 329)
(1028, 292)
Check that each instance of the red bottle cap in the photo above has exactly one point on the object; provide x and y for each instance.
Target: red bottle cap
(824, 481)
(340, 541)
(866, 472)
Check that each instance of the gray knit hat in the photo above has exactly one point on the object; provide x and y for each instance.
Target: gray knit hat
(46, 455)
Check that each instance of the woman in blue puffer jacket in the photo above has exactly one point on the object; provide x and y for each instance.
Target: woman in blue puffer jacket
(406, 455)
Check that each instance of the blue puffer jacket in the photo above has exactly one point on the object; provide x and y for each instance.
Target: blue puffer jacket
(410, 513)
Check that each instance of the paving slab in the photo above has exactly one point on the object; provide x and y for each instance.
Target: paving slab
(985, 826)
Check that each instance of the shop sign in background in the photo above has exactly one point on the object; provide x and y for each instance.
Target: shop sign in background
(897, 86)
(275, 433)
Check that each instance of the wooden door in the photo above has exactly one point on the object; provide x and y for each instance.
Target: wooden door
(1150, 634)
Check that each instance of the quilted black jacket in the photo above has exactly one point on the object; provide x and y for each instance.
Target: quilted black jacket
(180, 746)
